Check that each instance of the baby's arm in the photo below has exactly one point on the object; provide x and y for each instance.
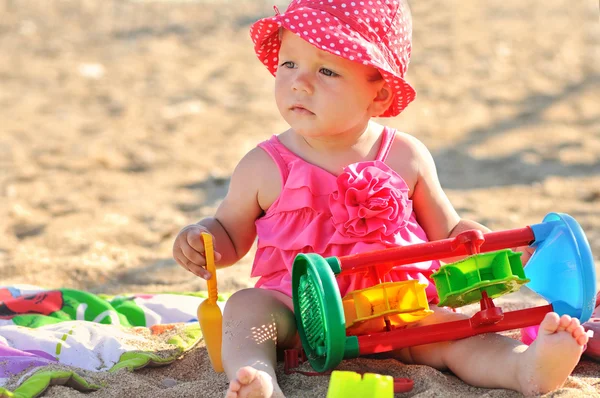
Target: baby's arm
(434, 211)
(232, 226)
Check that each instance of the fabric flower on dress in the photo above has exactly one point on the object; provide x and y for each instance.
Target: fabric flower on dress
(371, 202)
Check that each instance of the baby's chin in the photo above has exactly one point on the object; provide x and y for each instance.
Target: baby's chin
(316, 126)
(308, 129)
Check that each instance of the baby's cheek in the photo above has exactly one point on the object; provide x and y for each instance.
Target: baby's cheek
(279, 97)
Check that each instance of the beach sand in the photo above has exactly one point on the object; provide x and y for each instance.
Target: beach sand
(122, 121)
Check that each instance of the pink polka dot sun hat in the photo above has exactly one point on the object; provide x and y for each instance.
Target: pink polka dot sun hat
(374, 32)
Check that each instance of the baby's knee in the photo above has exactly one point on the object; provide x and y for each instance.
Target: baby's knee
(243, 300)
(262, 311)
(253, 301)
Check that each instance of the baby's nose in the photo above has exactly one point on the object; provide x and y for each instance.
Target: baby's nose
(302, 83)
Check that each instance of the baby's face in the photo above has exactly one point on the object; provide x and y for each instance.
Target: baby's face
(319, 93)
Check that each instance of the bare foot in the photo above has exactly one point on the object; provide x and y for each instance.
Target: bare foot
(553, 355)
(252, 383)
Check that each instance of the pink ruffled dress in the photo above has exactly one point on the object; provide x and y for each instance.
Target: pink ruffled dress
(365, 208)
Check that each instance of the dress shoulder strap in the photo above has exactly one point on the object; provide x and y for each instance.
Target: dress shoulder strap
(269, 147)
(386, 143)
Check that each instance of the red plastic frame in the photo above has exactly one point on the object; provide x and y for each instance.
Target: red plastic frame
(489, 319)
(466, 243)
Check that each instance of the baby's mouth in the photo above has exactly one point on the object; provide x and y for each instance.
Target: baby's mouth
(301, 110)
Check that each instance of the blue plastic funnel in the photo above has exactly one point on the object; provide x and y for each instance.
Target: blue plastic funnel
(562, 268)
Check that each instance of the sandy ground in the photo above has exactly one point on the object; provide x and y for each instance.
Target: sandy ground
(122, 120)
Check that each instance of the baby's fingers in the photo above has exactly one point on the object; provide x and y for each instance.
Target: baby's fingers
(192, 261)
(188, 265)
(192, 254)
(196, 242)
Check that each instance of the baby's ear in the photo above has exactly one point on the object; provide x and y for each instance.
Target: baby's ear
(382, 100)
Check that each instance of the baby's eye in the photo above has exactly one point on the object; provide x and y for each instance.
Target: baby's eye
(289, 64)
(328, 72)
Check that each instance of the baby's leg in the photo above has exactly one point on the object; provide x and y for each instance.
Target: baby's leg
(496, 361)
(255, 322)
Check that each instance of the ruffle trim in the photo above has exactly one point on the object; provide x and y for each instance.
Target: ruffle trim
(306, 230)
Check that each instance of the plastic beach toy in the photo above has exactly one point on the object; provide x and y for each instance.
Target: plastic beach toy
(393, 304)
(345, 384)
(561, 270)
(464, 282)
(209, 312)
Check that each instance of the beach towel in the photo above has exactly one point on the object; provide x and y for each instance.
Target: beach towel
(50, 337)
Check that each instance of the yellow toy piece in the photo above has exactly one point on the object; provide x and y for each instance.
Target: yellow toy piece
(345, 384)
(400, 303)
(209, 312)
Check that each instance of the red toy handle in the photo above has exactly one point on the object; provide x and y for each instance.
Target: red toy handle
(401, 338)
(403, 385)
(466, 243)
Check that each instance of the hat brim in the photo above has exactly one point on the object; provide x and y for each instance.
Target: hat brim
(354, 47)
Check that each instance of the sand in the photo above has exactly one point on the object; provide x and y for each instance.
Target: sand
(122, 121)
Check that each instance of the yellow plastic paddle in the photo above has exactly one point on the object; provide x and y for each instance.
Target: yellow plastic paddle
(209, 312)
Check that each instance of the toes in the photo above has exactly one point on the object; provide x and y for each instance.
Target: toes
(246, 375)
(235, 386)
(580, 335)
(564, 323)
(252, 383)
(231, 394)
(550, 323)
(573, 326)
(582, 339)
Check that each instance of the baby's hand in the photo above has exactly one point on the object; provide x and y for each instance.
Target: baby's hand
(188, 250)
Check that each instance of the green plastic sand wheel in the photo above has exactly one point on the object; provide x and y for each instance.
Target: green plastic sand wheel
(495, 273)
(319, 311)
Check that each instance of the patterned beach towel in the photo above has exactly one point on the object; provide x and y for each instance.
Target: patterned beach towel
(48, 336)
